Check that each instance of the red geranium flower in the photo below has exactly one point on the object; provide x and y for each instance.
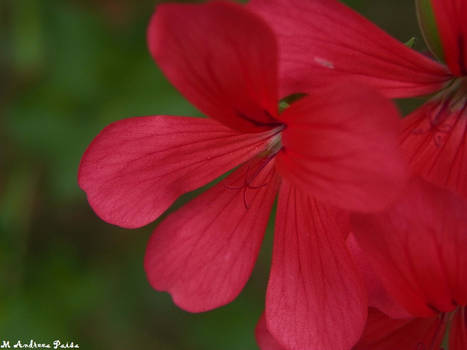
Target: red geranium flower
(338, 145)
(417, 251)
(325, 37)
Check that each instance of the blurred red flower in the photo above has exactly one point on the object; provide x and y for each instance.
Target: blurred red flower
(334, 148)
(416, 251)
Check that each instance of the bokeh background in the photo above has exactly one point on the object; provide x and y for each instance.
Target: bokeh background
(67, 69)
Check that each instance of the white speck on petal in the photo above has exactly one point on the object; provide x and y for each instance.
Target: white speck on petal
(324, 62)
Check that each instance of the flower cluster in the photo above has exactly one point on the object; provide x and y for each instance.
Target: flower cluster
(371, 221)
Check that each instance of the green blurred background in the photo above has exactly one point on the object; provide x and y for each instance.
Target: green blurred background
(67, 69)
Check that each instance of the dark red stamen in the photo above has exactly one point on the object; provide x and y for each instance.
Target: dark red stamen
(444, 116)
(249, 178)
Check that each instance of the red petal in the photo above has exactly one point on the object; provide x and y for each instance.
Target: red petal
(435, 141)
(418, 248)
(378, 297)
(264, 339)
(384, 333)
(458, 332)
(204, 253)
(135, 168)
(451, 18)
(315, 299)
(326, 38)
(222, 58)
(340, 144)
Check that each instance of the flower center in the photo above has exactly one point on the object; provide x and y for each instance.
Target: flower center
(446, 110)
(275, 143)
(257, 172)
(439, 334)
(459, 100)
(455, 95)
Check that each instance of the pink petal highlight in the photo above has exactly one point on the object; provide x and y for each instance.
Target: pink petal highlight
(325, 38)
(340, 145)
(315, 298)
(135, 168)
(203, 254)
(222, 58)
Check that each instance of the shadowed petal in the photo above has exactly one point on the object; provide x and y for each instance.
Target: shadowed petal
(451, 18)
(264, 338)
(203, 254)
(326, 38)
(340, 145)
(434, 140)
(222, 58)
(135, 168)
(315, 298)
(384, 333)
(458, 333)
(417, 247)
(378, 297)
